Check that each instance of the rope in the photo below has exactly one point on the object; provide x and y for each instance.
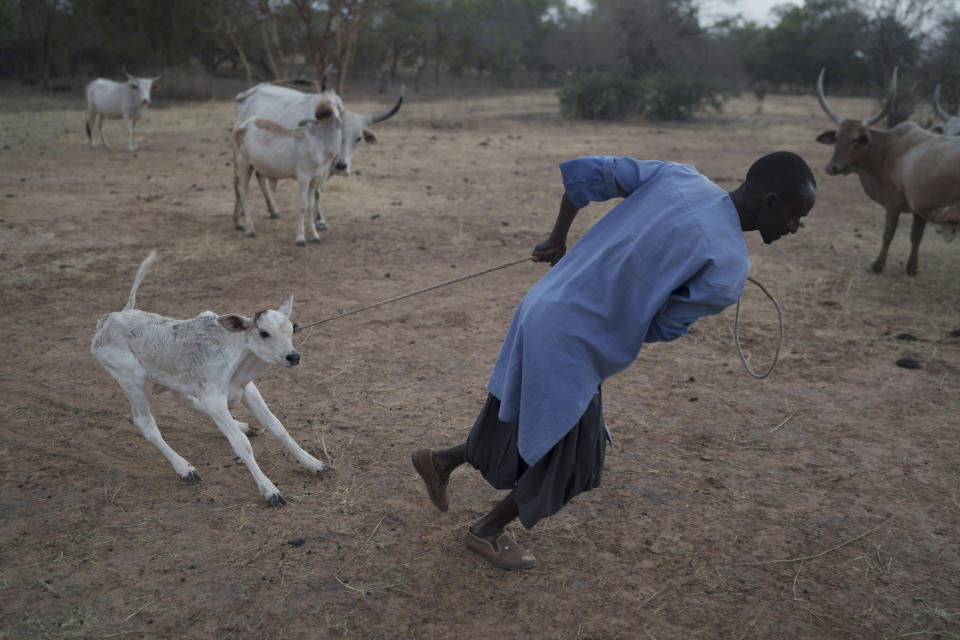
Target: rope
(736, 322)
(301, 327)
(736, 334)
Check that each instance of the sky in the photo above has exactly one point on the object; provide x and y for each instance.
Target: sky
(756, 10)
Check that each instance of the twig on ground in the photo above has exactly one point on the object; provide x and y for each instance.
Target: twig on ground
(787, 419)
(372, 533)
(822, 553)
(155, 600)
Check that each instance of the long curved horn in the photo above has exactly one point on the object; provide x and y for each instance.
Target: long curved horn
(886, 108)
(323, 78)
(123, 67)
(383, 115)
(936, 105)
(836, 117)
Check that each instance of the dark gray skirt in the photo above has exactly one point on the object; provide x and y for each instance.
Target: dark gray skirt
(572, 466)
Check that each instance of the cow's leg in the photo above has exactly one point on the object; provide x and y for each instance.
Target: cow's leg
(312, 198)
(267, 191)
(254, 401)
(216, 408)
(321, 223)
(103, 136)
(125, 368)
(916, 235)
(91, 118)
(245, 170)
(304, 185)
(237, 206)
(890, 227)
(130, 124)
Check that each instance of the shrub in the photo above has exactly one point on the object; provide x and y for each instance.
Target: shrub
(675, 96)
(610, 95)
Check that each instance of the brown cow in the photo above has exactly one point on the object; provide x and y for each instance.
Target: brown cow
(906, 169)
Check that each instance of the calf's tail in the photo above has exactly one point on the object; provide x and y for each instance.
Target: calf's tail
(141, 272)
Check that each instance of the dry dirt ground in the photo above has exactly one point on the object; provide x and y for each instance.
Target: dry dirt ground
(822, 502)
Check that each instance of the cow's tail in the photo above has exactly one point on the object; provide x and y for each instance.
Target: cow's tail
(141, 272)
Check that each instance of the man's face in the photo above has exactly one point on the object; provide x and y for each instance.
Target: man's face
(780, 216)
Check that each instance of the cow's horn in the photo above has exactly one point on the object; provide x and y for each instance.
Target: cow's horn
(936, 105)
(823, 99)
(383, 115)
(323, 78)
(886, 107)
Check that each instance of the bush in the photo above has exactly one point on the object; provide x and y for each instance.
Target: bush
(675, 96)
(610, 95)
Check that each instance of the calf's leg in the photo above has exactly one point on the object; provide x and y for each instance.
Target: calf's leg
(254, 401)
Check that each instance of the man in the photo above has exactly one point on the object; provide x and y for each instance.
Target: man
(671, 252)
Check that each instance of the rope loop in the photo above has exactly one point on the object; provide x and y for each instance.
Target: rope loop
(736, 334)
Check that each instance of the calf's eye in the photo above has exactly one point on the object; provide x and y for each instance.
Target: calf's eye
(264, 335)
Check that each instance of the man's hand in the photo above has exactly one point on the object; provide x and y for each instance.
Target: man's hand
(549, 250)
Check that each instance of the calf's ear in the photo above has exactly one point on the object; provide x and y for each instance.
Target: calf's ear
(827, 137)
(287, 307)
(235, 323)
(368, 137)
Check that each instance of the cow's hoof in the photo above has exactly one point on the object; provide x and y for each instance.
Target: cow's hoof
(301, 243)
(274, 215)
(911, 271)
(192, 477)
(321, 225)
(239, 227)
(318, 240)
(276, 500)
(877, 267)
(251, 234)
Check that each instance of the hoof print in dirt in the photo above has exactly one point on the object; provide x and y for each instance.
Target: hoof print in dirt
(192, 478)
(276, 500)
(905, 336)
(908, 363)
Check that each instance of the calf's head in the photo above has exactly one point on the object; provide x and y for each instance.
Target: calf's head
(326, 130)
(140, 88)
(851, 139)
(269, 334)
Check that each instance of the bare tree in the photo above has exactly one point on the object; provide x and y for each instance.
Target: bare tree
(229, 23)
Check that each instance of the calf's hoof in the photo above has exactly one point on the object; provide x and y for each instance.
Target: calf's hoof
(251, 234)
(239, 227)
(276, 500)
(274, 215)
(301, 243)
(192, 477)
(321, 225)
(318, 240)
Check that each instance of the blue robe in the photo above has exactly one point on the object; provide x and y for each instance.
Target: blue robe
(670, 253)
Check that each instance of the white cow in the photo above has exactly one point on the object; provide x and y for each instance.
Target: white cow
(209, 363)
(109, 99)
(951, 126)
(289, 106)
(306, 153)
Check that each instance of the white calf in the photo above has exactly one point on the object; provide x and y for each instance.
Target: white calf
(109, 99)
(209, 363)
(305, 153)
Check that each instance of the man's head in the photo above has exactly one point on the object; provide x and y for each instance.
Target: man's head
(779, 190)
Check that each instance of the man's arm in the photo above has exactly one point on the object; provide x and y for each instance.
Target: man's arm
(555, 246)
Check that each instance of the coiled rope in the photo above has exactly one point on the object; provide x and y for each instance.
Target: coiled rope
(736, 334)
(736, 322)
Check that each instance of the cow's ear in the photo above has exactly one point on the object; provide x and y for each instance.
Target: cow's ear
(368, 137)
(235, 323)
(287, 307)
(827, 137)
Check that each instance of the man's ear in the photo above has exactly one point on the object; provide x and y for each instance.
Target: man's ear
(767, 200)
(827, 137)
(235, 323)
(287, 308)
(368, 137)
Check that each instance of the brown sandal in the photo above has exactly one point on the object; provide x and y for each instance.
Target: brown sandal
(504, 553)
(422, 460)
